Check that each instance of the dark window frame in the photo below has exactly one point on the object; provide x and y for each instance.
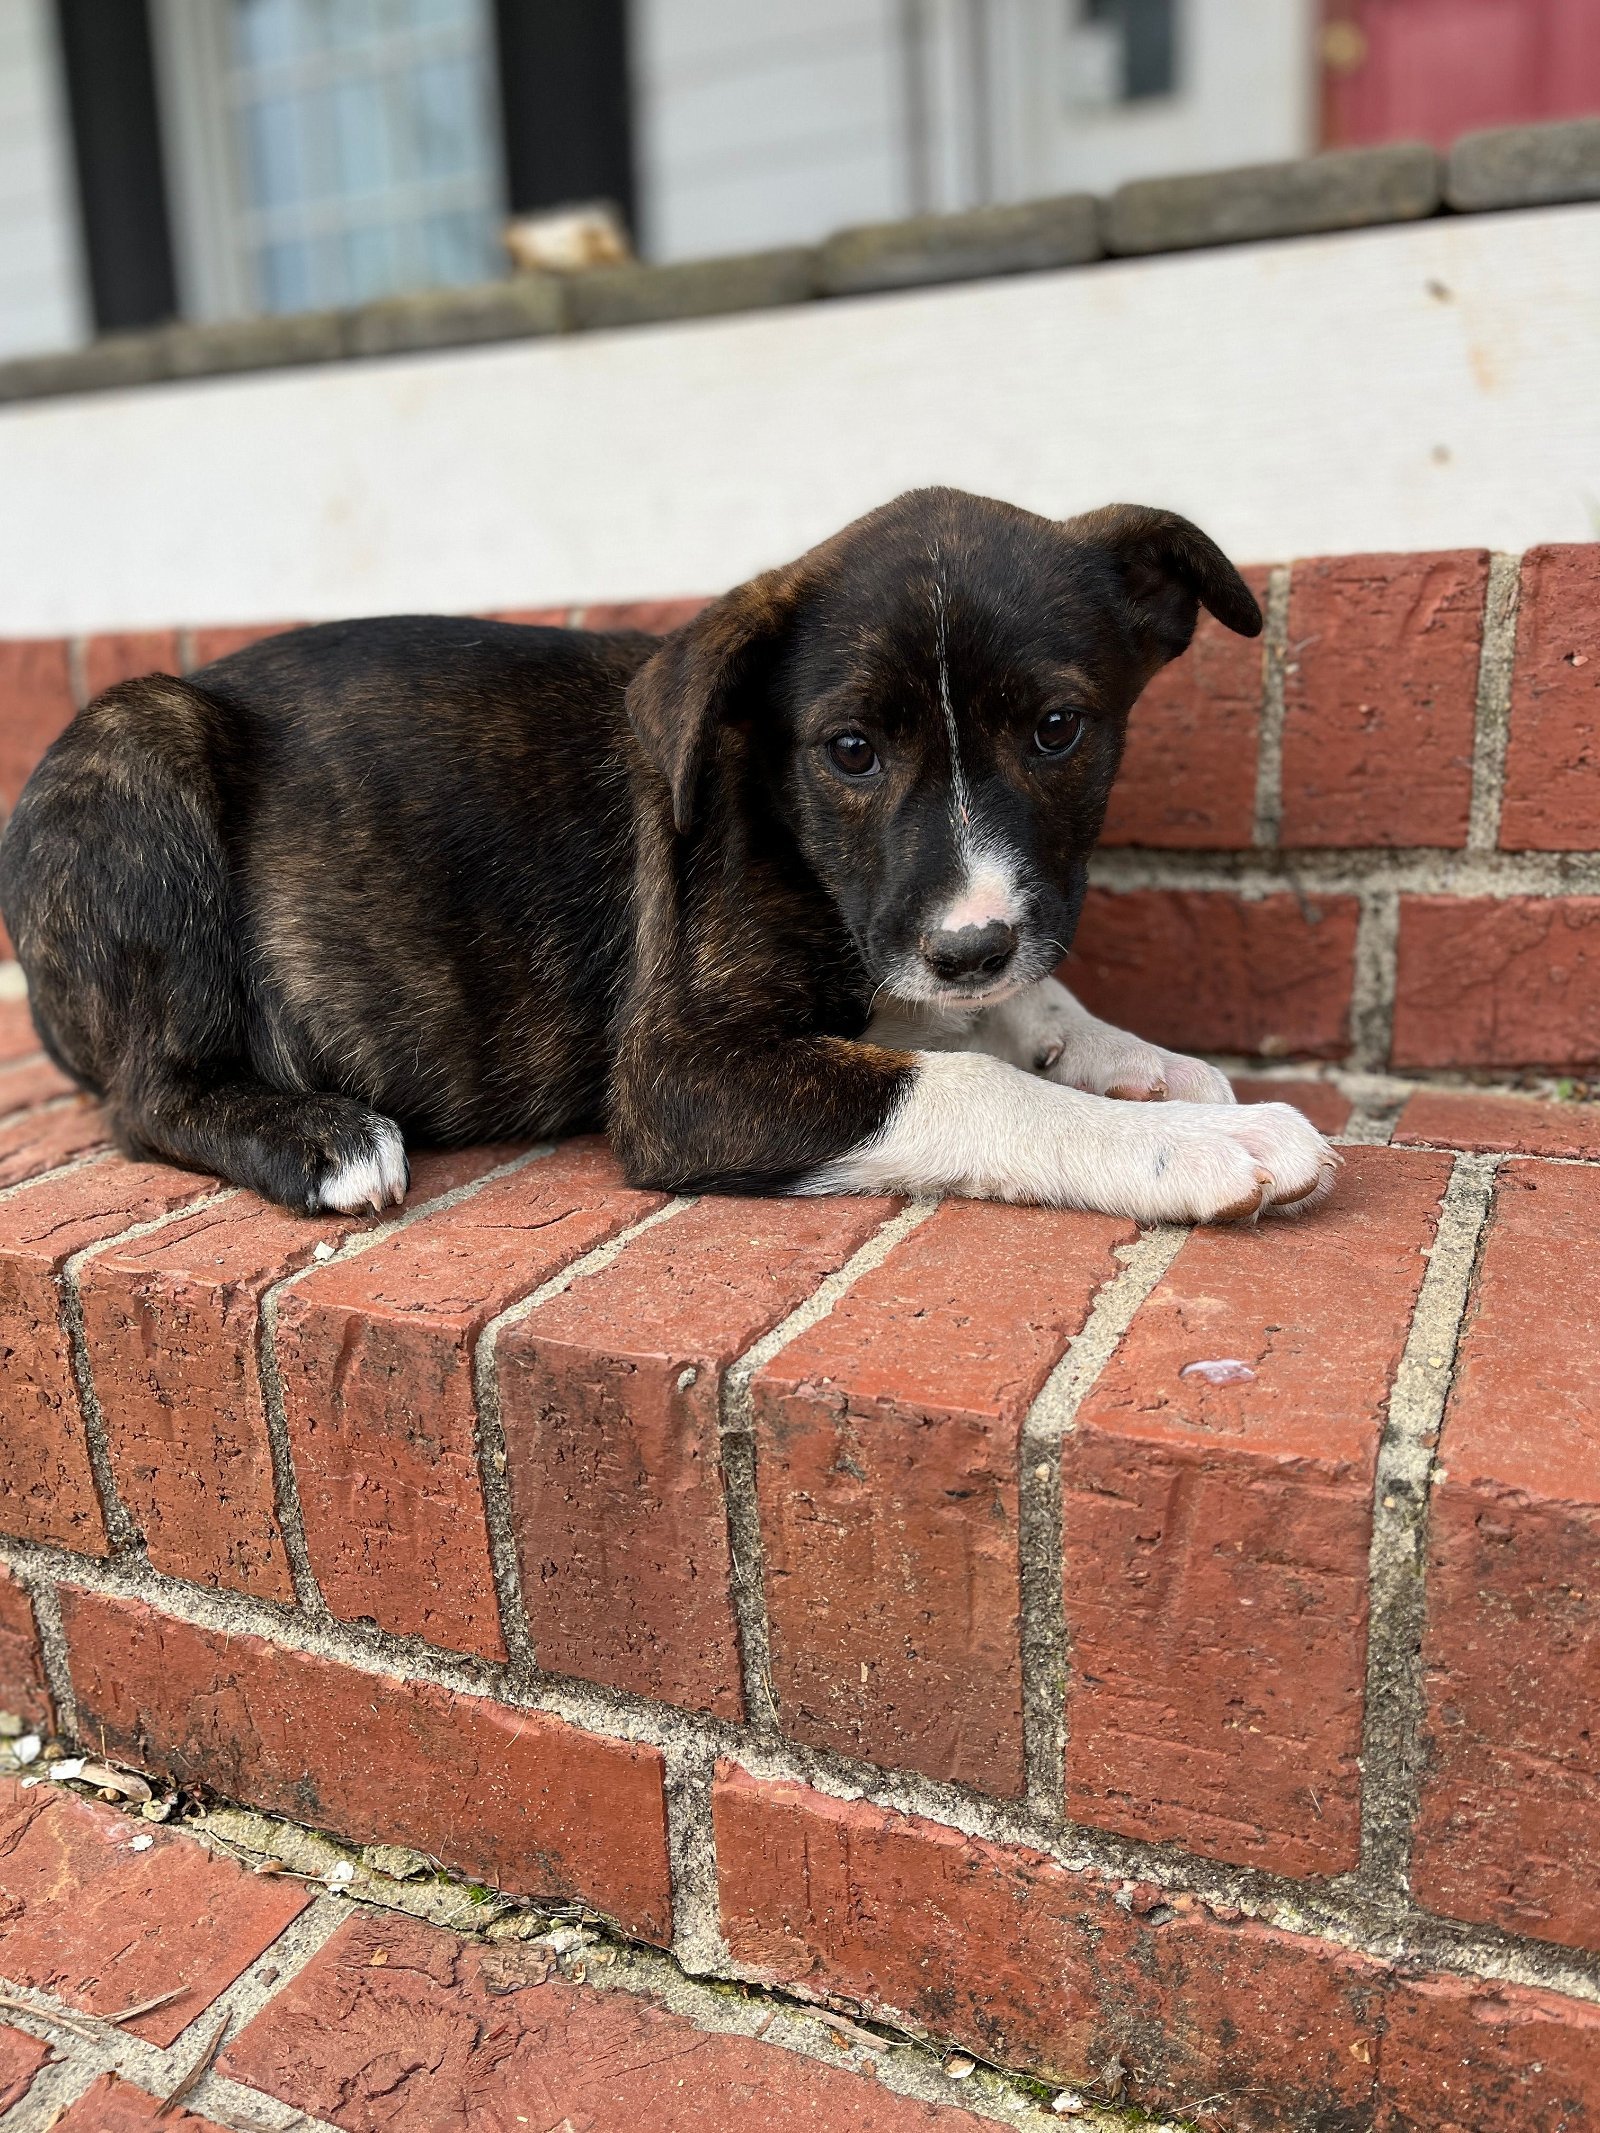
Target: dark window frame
(108, 67)
(566, 103)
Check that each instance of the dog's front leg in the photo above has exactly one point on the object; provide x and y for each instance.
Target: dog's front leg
(967, 1123)
(1045, 1031)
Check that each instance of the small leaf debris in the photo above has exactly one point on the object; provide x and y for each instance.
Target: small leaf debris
(958, 2067)
(205, 2059)
(144, 2007)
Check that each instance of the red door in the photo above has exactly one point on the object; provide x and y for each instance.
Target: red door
(1406, 70)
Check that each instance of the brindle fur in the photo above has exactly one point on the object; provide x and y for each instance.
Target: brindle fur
(494, 881)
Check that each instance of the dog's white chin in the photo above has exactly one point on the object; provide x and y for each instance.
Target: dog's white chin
(914, 988)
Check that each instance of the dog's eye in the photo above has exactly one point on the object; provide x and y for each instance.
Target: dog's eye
(1058, 733)
(854, 754)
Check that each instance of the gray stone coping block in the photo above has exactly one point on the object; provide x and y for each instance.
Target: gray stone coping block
(436, 318)
(1063, 232)
(518, 309)
(692, 288)
(1346, 189)
(1525, 166)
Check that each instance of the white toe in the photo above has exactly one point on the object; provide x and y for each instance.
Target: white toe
(371, 1180)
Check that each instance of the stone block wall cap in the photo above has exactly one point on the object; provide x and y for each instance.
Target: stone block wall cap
(1525, 166)
(116, 360)
(638, 295)
(1348, 188)
(215, 345)
(523, 307)
(1016, 239)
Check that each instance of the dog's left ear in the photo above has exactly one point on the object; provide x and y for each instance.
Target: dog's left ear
(1169, 569)
(707, 673)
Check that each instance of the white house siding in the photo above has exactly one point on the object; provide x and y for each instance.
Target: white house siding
(42, 303)
(1246, 94)
(765, 125)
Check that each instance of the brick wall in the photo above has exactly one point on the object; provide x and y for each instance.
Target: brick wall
(1371, 839)
(876, 1600)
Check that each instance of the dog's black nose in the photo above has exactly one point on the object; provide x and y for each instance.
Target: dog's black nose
(970, 951)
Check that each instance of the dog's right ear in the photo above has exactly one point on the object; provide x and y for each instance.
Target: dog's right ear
(706, 675)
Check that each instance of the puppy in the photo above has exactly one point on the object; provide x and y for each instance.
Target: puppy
(776, 900)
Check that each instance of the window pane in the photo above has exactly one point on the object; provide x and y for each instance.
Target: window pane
(349, 22)
(367, 145)
(285, 277)
(362, 161)
(444, 124)
(275, 151)
(1146, 31)
(266, 30)
(370, 263)
(459, 248)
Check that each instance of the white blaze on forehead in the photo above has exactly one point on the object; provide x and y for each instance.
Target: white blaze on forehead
(988, 892)
(960, 798)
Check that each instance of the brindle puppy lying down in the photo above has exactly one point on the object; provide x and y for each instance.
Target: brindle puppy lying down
(776, 900)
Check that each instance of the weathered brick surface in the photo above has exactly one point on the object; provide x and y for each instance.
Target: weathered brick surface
(105, 1925)
(1188, 778)
(1460, 2056)
(657, 616)
(47, 1487)
(110, 2105)
(36, 702)
(28, 1082)
(397, 2025)
(610, 1397)
(1207, 970)
(1491, 1125)
(1216, 1534)
(1322, 1103)
(173, 1325)
(44, 1139)
(512, 1797)
(1552, 790)
(24, 1691)
(21, 2057)
(1510, 1822)
(208, 644)
(375, 1356)
(126, 654)
(1380, 683)
(887, 1463)
(1015, 1956)
(1508, 982)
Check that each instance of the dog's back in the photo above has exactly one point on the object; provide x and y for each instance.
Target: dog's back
(343, 859)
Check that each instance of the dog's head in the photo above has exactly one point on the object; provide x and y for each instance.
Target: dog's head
(934, 703)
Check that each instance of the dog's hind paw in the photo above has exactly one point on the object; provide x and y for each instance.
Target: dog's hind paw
(368, 1175)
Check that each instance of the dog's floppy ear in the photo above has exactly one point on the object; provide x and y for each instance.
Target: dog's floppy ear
(706, 673)
(1169, 570)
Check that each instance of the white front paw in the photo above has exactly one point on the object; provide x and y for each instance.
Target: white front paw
(1206, 1165)
(369, 1173)
(1108, 1062)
